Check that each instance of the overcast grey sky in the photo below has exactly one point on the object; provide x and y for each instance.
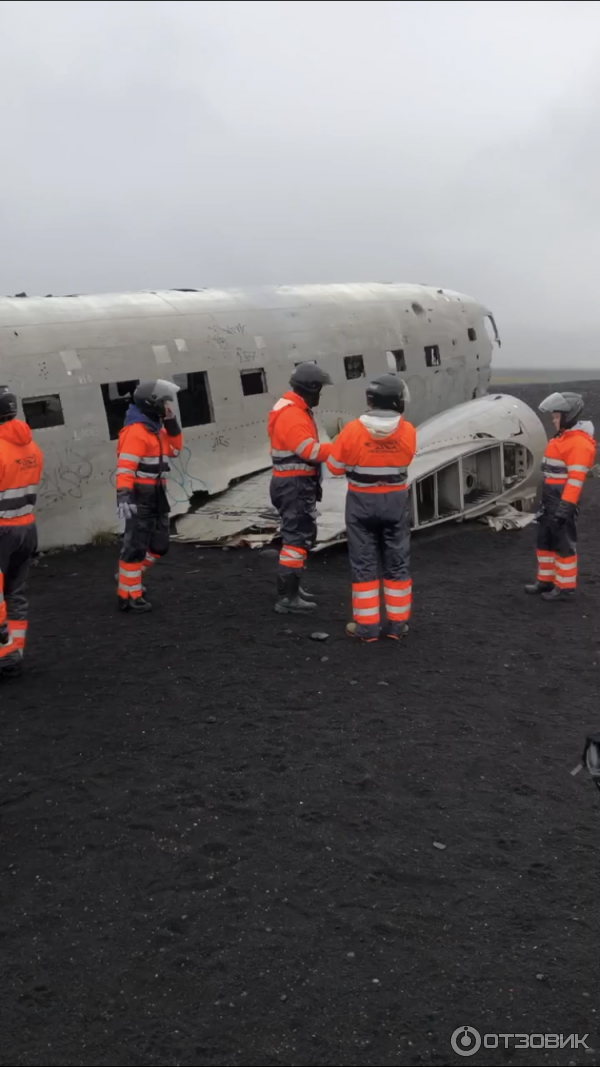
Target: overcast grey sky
(164, 144)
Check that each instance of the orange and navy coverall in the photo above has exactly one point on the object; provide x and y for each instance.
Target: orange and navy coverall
(374, 452)
(21, 466)
(296, 482)
(566, 462)
(143, 451)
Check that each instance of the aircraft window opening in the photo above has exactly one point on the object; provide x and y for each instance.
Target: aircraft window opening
(117, 397)
(510, 463)
(418, 310)
(355, 367)
(472, 334)
(254, 382)
(432, 355)
(491, 329)
(40, 412)
(426, 499)
(194, 399)
(396, 359)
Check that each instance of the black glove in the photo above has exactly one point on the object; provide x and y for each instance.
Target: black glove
(319, 493)
(4, 634)
(126, 509)
(563, 513)
(170, 423)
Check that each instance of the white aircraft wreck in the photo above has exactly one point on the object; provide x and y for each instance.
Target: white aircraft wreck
(74, 362)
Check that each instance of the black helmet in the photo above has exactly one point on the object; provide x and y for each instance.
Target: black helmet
(388, 392)
(8, 404)
(308, 380)
(151, 397)
(569, 405)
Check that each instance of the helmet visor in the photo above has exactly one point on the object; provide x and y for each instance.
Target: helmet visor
(555, 402)
(166, 390)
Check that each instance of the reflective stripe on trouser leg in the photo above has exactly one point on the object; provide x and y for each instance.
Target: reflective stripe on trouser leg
(295, 502)
(398, 600)
(130, 580)
(394, 511)
(565, 576)
(566, 572)
(10, 652)
(366, 611)
(363, 555)
(150, 560)
(291, 557)
(546, 563)
(18, 633)
(17, 547)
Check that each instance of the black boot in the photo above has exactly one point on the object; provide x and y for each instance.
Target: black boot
(138, 605)
(304, 594)
(536, 588)
(289, 601)
(12, 667)
(556, 593)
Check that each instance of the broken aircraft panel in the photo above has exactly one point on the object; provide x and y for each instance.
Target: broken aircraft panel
(481, 457)
(73, 362)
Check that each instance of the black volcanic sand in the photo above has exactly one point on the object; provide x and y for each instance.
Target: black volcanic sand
(218, 835)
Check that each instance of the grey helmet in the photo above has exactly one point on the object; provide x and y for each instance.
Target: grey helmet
(307, 381)
(569, 405)
(8, 404)
(389, 392)
(151, 397)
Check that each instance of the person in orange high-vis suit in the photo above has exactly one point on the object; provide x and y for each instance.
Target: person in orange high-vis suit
(297, 456)
(374, 452)
(21, 466)
(568, 457)
(150, 436)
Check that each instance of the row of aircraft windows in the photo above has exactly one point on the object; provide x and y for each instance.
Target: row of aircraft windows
(355, 365)
(195, 404)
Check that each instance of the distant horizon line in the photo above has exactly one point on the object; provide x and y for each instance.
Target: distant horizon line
(533, 375)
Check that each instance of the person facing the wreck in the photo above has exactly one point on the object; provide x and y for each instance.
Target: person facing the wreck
(296, 482)
(374, 452)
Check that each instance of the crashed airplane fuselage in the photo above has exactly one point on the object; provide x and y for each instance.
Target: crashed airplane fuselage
(74, 361)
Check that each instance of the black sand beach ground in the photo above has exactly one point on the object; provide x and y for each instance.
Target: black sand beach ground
(218, 836)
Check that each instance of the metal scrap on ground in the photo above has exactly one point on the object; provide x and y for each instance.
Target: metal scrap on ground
(243, 517)
(506, 517)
